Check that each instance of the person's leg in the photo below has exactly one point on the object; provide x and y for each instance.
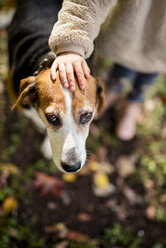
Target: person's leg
(115, 83)
(141, 84)
(126, 126)
(116, 74)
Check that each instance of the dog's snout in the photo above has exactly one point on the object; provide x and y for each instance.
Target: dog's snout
(71, 168)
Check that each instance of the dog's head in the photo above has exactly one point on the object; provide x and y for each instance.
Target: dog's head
(67, 116)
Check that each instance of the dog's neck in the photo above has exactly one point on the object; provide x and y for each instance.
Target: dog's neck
(44, 62)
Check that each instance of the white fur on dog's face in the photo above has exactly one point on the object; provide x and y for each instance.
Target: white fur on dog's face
(68, 142)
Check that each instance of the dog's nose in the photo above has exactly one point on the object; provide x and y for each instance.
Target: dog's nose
(71, 168)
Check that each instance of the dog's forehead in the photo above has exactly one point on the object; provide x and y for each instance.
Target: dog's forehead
(86, 97)
(52, 93)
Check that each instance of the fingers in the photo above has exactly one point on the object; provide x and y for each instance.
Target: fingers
(67, 64)
(80, 75)
(54, 68)
(85, 69)
(70, 76)
(62, 74)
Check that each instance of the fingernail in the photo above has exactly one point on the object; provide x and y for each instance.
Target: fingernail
(82, 86)
(53, 77)
(65, 85)
(72, 88)
(87, 75)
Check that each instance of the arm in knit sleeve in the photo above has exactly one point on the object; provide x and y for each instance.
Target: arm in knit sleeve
(78, 25)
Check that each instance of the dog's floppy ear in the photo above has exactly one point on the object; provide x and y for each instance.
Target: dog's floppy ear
(27, 93)
(100, 95)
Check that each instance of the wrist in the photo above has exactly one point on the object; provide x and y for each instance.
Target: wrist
(66, 53)
(70, 49)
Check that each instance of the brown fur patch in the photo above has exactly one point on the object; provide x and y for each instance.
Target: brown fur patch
(83, 98)
(49, 92)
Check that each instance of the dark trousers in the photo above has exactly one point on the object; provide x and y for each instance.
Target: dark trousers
(139, 81)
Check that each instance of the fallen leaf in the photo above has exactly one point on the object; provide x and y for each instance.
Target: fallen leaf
(59, 228)
(106, 167)
(48, 184)
(11, 168)
(7, 170)
(151, 212)
(84, 217)
(101, 180)
(93, 165)
(63, 244)
(132, 196)
(9, 205)
(103, 192)
(149, 184)
(51, 205)
(125, 165)
(70, 177)
(77, 236)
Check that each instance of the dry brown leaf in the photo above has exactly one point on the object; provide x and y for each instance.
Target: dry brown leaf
(48, 184)
(51, 205)
(151, 212)
(84, 217)
(59, 228)
(149, 184)
(77, 236)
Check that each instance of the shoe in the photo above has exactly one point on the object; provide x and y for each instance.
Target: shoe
(127, 120)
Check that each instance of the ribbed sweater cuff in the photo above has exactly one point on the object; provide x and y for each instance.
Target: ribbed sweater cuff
(70, 48)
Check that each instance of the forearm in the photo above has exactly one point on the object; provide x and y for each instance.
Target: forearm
(78, 25)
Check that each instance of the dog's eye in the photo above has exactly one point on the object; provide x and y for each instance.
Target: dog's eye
(53, 119)
(85, 117)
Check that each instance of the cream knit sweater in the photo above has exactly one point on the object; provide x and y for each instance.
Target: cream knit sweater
(134, 33)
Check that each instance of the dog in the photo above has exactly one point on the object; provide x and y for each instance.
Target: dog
(65, 116)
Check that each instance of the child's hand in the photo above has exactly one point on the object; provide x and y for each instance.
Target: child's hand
(67, 64)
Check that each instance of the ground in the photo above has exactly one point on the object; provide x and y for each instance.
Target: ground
(119, 198)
